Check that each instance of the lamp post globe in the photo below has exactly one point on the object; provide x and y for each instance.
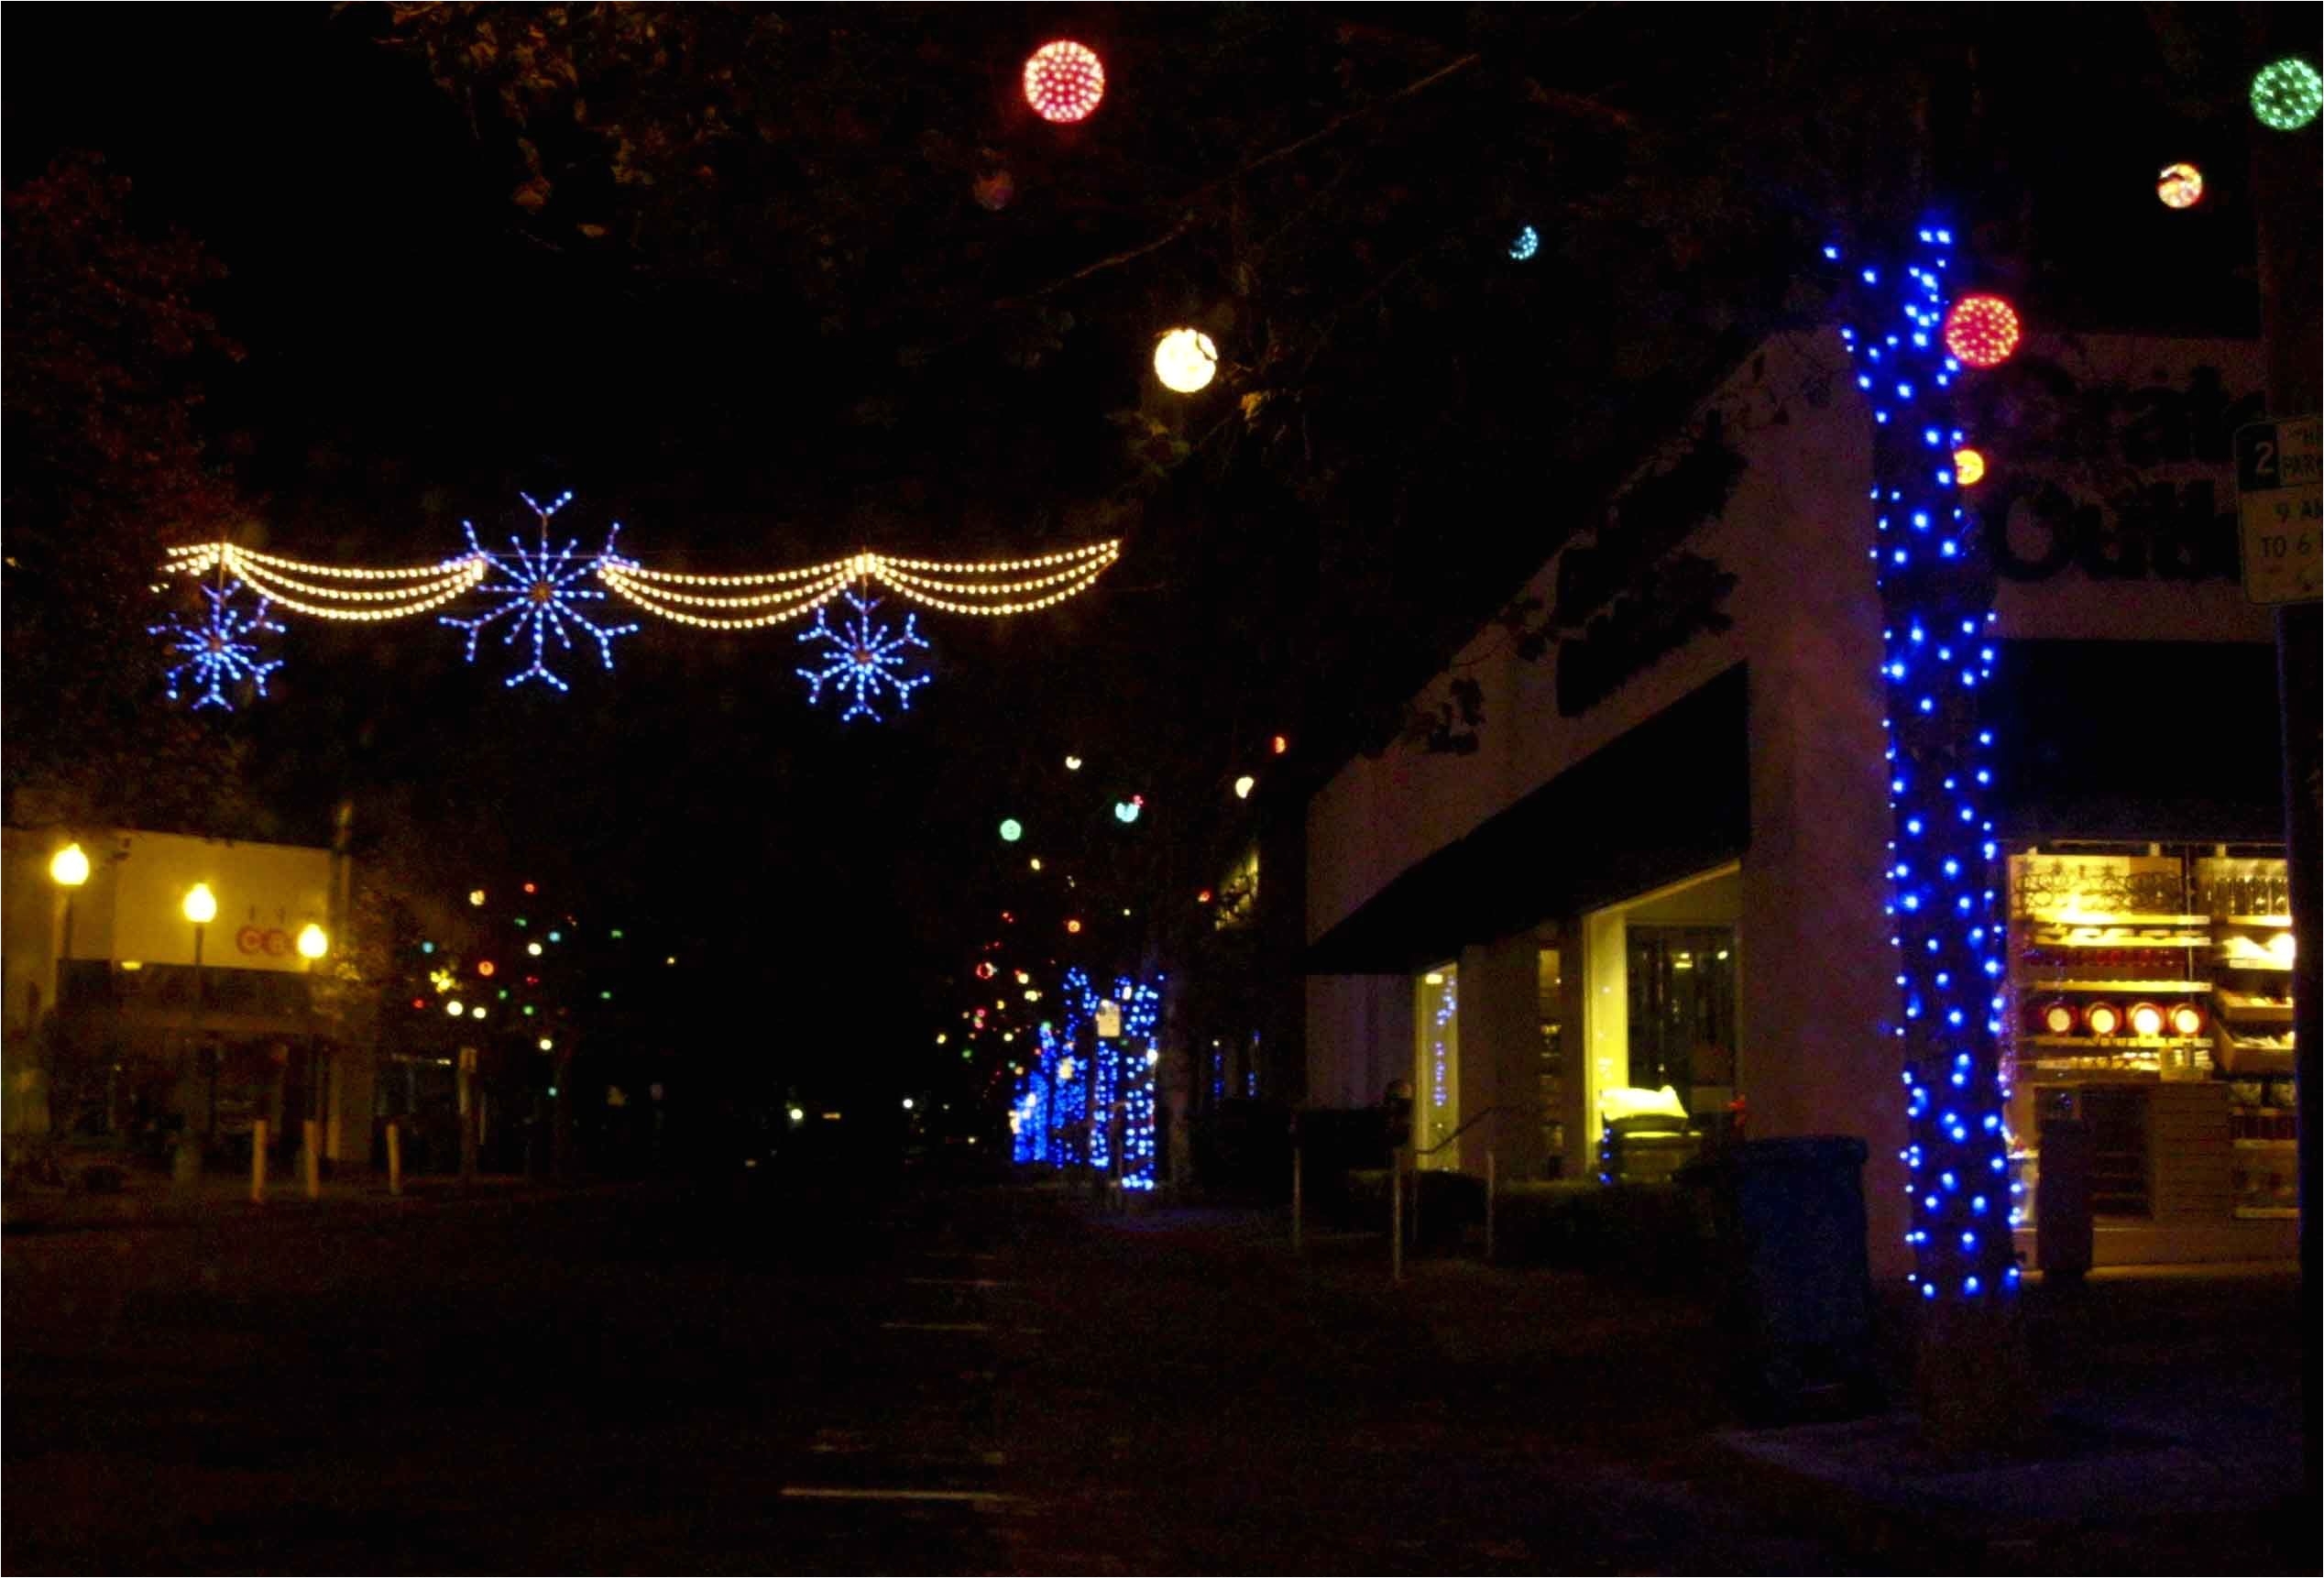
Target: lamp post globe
(70, 869)
(201, 904)
(314, 942)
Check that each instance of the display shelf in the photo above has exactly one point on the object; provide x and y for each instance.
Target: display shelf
(2099, 1045)
(2122, 988)
(2070, 919)
(2247, 1059)
(2273, 923)
(2244, 1006)
(2267, 1213)
(2252, 961)
(2122, 944)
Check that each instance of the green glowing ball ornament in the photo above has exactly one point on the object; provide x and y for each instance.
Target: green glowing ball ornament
(2287, 94)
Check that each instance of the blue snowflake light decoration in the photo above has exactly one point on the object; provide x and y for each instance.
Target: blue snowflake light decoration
(866, 660)
(219, 650)
(536, 592)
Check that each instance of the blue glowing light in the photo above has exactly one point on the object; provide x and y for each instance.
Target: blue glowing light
(1525, 243)
(866, 660)
(1950, 942)
(538, 593)
(219, 650)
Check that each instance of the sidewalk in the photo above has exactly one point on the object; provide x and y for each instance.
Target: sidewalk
(2177, 1400)
(153, 1200)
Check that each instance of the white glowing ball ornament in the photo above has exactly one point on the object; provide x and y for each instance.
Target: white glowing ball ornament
(1186, 360)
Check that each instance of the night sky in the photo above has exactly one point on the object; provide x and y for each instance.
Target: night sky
(415, 355)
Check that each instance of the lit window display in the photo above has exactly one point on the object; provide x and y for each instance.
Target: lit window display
(1436, 1110)
(2152, 997)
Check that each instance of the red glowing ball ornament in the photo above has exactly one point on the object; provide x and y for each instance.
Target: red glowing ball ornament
(1063, 81)
(1982, 331)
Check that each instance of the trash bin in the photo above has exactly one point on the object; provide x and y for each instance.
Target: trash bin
(1793, 1283)
(2063, 1239)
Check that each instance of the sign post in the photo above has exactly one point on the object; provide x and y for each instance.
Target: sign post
(2280, 509)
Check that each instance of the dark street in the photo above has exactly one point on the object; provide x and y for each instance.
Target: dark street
(1094, 788)
(969, 1378)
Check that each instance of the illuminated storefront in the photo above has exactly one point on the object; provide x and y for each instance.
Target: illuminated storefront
(130, 1020)
(1656, 890)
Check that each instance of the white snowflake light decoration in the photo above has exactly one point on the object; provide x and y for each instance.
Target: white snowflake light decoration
(222, 650)
(865, 659)
(535, 591)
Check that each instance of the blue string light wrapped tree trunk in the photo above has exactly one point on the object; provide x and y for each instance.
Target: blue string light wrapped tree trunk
(1935, 579)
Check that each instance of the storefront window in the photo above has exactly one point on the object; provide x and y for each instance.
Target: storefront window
(1550, 999)
(1682, 1011)
(2150, 997)
(1436, 1102)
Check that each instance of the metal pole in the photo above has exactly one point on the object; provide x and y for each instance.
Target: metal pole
(200, 1050)
(1395, 1217)
(310, 1132)
(1492, 1190)
(2285, 197)
(258, 1161)
(1297, 1203)
(395, 1160)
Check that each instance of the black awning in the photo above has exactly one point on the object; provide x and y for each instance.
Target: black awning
(1667, 799)
(2142, 740)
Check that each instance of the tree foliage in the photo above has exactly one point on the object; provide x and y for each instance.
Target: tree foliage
(104, 342)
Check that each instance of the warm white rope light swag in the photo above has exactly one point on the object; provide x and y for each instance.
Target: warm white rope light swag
(542, 597)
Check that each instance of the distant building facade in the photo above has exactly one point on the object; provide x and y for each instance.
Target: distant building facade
(104, 1034)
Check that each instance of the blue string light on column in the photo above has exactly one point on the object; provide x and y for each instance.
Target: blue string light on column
(1935, 581)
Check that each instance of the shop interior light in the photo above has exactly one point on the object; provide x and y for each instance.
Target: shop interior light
(2103, 1018)
(2187, 1020)
(2146, 1019)
(2057, 1018)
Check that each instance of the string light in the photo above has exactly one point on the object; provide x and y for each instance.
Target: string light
(1937, 605)
(1968, 468)
(222, 650)
(866, 660)
(1063, 81)
(1244, 785)
(537, 595)
(537, 592)
(2287, 94)
(1011, 831)
(1525, 244)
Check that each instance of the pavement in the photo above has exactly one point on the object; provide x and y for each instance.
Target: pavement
(906, 1376)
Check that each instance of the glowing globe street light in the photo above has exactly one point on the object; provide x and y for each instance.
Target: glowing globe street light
(314, 942)
(1186, 360)
(201, 904)
(70, 869)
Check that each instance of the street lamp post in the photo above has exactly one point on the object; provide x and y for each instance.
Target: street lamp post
(200, 907)
(67, 869)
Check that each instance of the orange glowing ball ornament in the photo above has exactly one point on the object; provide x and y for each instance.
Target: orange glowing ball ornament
(2104, 1019)
(2059, 1019)
(1982, 331)
(1063, 81)
(2179, 186)
(2146, 1019)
